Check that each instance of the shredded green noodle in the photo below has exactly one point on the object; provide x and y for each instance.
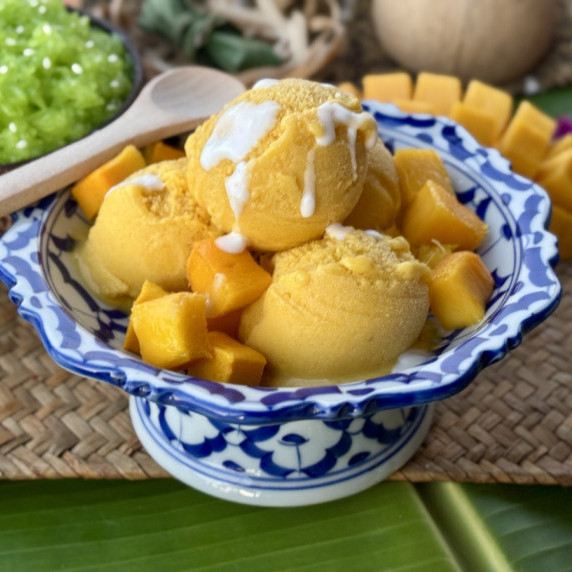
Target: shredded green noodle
(60, 77)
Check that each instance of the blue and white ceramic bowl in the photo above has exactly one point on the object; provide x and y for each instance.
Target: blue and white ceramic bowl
(295, 446)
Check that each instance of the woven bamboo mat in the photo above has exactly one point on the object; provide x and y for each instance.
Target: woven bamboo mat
(512, 424)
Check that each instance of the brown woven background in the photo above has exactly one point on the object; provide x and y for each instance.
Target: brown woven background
(512, 424)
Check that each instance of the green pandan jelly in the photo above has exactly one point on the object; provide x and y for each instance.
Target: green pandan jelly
(60, 77)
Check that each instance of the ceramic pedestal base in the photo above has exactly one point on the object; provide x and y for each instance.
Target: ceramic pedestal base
(286, 464)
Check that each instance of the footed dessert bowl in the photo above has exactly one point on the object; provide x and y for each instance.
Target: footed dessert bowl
(303, 445)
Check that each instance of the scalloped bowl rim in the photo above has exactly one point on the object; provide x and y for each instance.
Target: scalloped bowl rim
(436, 379)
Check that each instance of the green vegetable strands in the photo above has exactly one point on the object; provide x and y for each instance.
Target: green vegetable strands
(59, 77)
(205, 38)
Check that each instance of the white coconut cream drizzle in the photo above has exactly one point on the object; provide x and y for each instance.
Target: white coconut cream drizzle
(149, 181)
(308, 202)
(332, 113)
(265, 82)
(234, 242)
(338, 231)
(236, 133)
(236, 186)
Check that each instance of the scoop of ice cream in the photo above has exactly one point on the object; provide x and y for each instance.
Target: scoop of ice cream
(380, 199)
(281, 162)
(338, 309)
(145, 230)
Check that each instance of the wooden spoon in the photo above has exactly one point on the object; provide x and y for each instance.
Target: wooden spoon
(171, 103)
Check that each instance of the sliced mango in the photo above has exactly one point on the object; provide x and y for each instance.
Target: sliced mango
(227, 323)
(172, 329)
(387, 87)
(412, 106)
(481, 124)
(149, 291)
(527, 139)
(459, 290)
(161, 151)
(437, 214)
(442, 91)
(491, 100)
(561, 226)
(230, 281)
(90, 191)
(555, 175)
(415, 167)
(230, 362)
(559, 145)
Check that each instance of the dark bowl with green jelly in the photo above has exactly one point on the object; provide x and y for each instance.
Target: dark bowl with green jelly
(91, 101)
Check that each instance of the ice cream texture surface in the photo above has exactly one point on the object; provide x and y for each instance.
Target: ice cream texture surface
(339, 308)
(145, 230)
(281, 162)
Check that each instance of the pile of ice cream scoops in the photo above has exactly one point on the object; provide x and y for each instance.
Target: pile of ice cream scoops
(293, 175)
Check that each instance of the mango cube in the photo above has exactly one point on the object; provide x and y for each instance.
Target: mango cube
(89, 191)
(492, 101)
(436, 214)
(481, 124)
(442, 91)
(230, 362)
(561, 226)
(387, 86)
(161, 151)
(559, 145)
(149, 291)
(415, 167)
(412, 106)
(459, 290)
(555, 175)
(172, 329)
(527, 139)
(227, 323)
(230, 281)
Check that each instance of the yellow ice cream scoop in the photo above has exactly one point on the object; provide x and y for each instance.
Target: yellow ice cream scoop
(281, 162)
(338, 309)
(145, 230)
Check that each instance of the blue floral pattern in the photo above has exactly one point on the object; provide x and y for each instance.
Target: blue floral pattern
(85, 336)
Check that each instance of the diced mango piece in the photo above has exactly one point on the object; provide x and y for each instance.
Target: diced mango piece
(90, 190)
(230, 281)
(559, 145)
(481, 124)
(387, 87)
(561, 226)
(149, 291)
(436, 214)
(555, 175)
(491, 100)
(440, 90)
(350, 87)
(415, 167)
(172, 329)
(412, 106)
(527, 139)
(161, 151)
(459, 290)
(231, 362)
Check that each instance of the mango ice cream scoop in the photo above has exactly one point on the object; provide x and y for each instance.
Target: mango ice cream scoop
(338, 309)
(145, 230)
(281, 162)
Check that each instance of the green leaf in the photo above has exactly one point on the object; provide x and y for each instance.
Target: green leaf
(555, 102)
(234, 53)
(161, 524)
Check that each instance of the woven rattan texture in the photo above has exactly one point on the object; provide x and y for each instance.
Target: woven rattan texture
(512, 424)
